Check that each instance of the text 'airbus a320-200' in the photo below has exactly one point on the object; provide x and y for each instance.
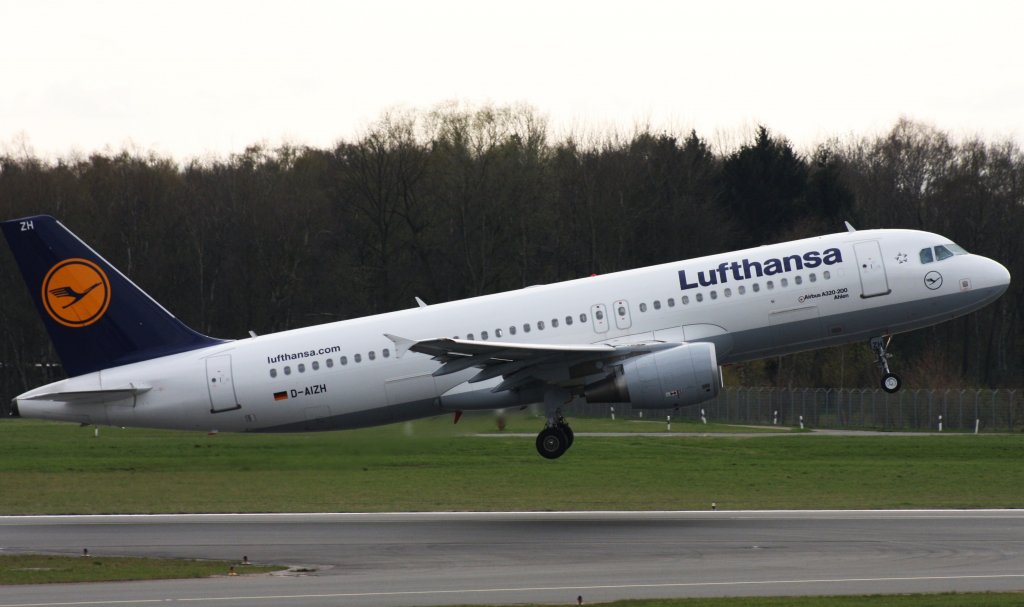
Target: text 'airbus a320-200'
(655, 337)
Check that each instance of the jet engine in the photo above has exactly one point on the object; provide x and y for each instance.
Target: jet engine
(685, 375)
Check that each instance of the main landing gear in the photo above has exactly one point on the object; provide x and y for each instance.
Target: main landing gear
(556, 437)
(890, 381)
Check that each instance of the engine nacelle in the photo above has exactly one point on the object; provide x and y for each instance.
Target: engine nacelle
(685, 375)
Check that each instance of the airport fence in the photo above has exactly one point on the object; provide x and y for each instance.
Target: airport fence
(1000, 410)
(969, 410)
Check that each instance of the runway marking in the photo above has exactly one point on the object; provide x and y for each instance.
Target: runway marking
(341, 595)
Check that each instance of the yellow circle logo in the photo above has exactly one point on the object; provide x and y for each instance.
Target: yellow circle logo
(76, 292)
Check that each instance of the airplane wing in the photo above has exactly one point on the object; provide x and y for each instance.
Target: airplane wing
(521, 364)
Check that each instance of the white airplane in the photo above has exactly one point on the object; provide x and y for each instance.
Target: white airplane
(654, 337)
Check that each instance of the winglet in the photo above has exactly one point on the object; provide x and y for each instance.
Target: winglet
(420, 303)
(402, 344)
(849, 228)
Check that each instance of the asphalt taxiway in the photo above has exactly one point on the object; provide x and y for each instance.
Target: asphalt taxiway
(503, 558)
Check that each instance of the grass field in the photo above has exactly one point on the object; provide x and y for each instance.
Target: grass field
(1004, 599)
(53, 468)
(47, 569)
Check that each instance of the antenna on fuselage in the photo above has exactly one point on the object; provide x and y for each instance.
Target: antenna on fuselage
(849, 228)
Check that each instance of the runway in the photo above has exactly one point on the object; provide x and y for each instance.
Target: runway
(504, 558)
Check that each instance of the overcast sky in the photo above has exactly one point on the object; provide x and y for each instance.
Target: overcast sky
(189, 78)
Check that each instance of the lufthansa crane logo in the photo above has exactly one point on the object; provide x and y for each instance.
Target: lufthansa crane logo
(76, 292)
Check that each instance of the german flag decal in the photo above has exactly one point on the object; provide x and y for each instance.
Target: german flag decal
(281, 395)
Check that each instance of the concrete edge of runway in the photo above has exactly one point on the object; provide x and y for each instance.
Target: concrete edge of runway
(356, 517)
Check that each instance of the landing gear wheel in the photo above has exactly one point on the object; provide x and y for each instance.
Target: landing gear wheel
(552, 443)
(567, 431)
(891, 382)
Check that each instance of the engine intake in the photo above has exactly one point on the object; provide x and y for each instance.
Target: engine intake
(685, 375)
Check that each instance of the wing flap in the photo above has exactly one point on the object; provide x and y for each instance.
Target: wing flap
(520, 364)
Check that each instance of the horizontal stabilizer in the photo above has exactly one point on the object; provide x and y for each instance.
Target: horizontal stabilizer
(90, 396)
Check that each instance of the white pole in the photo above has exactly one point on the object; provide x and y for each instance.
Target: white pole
(668, 420)
(940, 423)
(977, 423)
(801, 422)
(775, 419)
(703, 418)
(613, 413)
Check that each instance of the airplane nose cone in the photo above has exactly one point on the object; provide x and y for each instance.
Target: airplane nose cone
(1000, 275)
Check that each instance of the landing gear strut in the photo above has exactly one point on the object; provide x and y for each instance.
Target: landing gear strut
(890, 381)
(556, 437)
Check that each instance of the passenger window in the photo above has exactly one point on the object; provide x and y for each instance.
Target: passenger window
(813, 277)
(798, 280)
(540, 325)
(316, 365)
(554, 323)
(657, 304)
(671, 302)
(784, 282)
(599, 315)
(302, 368)
(526, 327)
(942, 252)
(497, 332)
(700, 297)
(568, 320)
(469, 336)
(926, 256)
(386, 353)
(727, 292)
(714, 294)
(643, 307)
(483, 335)
(330, 362)
(287, 370)
(372, 355)
(756, 286)
(344, 360)
(512, 330)
(685, 300)
(770, 285)
(358, 358)
(583, 318)
(622, 311)
(826, 274)
(741, 290)
(273, 372)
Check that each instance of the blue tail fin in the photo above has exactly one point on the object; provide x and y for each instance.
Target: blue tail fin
(96, 317)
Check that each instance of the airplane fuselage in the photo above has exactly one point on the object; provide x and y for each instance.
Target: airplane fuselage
(755, 303)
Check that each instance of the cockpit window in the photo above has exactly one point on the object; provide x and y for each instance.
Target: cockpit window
(943, 251)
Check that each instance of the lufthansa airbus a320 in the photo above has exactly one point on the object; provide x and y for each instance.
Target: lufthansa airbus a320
(654, 337)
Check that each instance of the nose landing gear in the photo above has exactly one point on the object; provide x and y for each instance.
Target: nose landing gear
(890, 381)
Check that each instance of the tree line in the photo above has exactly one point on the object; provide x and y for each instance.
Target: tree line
(456, 202)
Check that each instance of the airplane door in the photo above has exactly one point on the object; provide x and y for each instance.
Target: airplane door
(221, 385)
(873, 281)
(622, 320)
(600, 318)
